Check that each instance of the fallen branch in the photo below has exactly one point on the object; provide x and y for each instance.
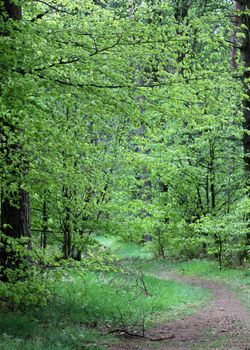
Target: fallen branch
(124, 331)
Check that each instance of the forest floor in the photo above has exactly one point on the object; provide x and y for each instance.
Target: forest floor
(182, 305)
(223, 324)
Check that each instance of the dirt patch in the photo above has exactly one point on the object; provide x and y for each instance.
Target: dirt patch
(223, 324)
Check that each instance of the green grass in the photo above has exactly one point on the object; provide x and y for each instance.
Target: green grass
(126, 250)
(32, 331)
(237, 279)
(101, 299)
(82, 308)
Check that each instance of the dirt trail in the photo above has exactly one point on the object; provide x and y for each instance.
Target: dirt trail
(223, 324)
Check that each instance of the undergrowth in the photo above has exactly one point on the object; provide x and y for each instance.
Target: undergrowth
(126, 250)
(83, 308)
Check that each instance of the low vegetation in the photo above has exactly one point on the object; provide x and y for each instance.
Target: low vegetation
(237, 279)
(85, 309)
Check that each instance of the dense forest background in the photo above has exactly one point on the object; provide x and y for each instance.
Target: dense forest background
(121, 118)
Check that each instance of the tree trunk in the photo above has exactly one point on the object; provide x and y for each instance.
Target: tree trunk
(245, 55)
(13, 11)
(244, 18)
(43, 242)
(15, 208)
(67, 225)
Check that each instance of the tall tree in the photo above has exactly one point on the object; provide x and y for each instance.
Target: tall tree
(242, 8)
(15, 214)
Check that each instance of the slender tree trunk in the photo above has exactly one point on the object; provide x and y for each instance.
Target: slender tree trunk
(212, 176)
(161, 244)
(67, 225)
(44, 232)
(234, 41)
(220, 252)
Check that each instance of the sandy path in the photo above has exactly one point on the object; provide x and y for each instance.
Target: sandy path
(223, 324)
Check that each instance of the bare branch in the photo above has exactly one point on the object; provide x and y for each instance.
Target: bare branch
(56, 8)
(125, 332)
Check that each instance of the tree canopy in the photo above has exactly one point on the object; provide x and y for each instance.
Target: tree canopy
(122, 118)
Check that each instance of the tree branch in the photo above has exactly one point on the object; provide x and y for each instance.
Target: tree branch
(39, 16)
(56, 8)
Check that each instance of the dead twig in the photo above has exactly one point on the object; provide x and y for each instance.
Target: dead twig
(125, 332)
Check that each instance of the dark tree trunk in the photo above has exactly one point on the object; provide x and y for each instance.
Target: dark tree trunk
(43, 242)
(67, 225)
(234, 40)
(244, 18)
(14, 224)
(212, 175)
(12, 10)
(15, 208)
(15, 219)
(181, 10)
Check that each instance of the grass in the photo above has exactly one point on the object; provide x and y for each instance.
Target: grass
(237, 279)
(35, 330)
(103, 298)
(126, 250)
(82, 307)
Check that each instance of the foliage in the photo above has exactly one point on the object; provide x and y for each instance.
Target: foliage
(126, 250)
(118, 118)
(224, 237)
(32, 284)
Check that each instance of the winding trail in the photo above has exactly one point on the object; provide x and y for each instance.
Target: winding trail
(223, 324)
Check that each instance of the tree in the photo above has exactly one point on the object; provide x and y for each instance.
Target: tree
(15, 215)
(117, 112)
(242, 8)
(46, 56)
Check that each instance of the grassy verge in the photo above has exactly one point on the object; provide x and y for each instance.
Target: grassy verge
(126, 250)
(110, 299)
(44, 329)
(237, 279)
(83, 308)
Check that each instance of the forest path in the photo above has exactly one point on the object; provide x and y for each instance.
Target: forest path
(223, 324)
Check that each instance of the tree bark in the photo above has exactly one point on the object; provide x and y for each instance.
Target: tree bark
(44, 238)
(244, 18)
(15, 207)
(12, 10)
(67, 225)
